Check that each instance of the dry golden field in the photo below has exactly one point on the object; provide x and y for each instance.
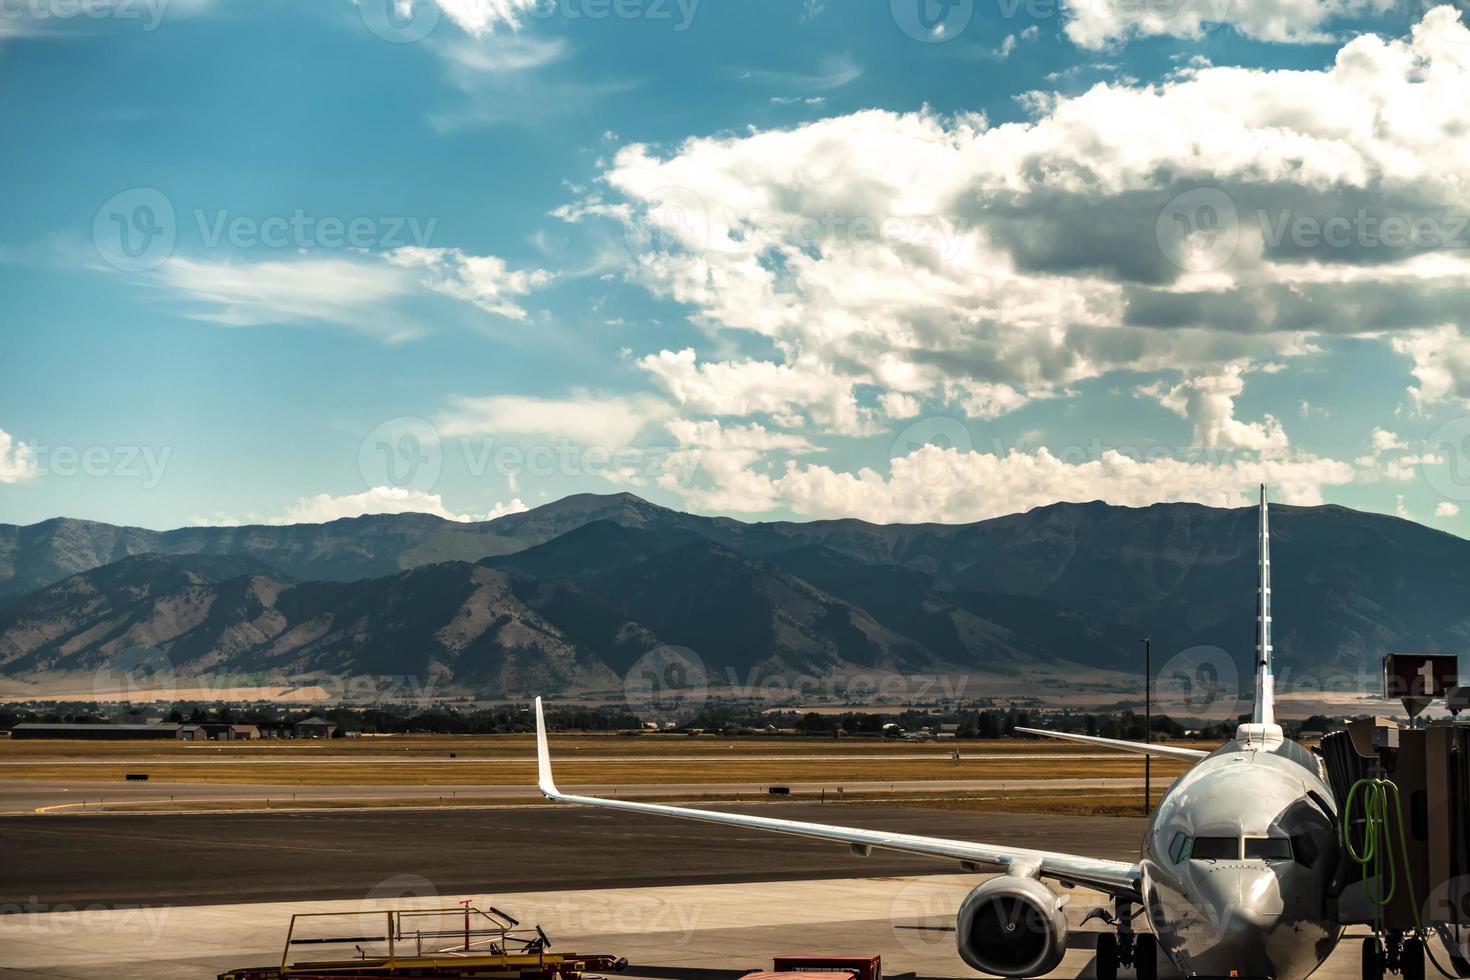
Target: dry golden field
(581, 759)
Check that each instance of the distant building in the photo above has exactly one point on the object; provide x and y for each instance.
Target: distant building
(94, 732)
(224, 732)
(276, 729)
(191, 733)
(315, 727)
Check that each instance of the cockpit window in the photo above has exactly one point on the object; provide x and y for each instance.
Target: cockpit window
(1268, 848)
(1179, 848)
(1216, 849)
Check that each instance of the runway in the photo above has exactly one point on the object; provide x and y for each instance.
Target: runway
(270, 857)
(23, 797)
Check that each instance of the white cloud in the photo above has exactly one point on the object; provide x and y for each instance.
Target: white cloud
(481, 17)
(1029, 255)
(483, 280)
(605, 421)
(1097, 23)
(897, 405)
(384, 500)
(1441, 364)
(1384, 441)
(1446, 509)
(17, 461)
(370, 294)
(1208, 401)
(1400, 508)
(953, 486)
(714, 468)
(782, 391)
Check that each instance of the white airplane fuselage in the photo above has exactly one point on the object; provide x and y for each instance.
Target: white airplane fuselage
(1237, 861)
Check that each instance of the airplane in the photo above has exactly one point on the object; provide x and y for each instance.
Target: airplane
(1233, 878)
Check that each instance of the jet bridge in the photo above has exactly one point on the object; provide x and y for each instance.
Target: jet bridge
(1403, 795)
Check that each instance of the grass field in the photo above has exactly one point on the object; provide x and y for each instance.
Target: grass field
(425, 760)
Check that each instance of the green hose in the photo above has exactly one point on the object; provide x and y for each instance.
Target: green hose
(1382, 809)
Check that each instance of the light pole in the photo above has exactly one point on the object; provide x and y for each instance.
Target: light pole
(1148, 721)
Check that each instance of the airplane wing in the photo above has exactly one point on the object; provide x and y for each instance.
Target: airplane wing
(1114, 877)
(1144, 748)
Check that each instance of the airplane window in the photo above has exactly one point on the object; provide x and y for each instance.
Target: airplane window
(1268, 848)
(1179, 848)
(1304, 849)
(1215, 849)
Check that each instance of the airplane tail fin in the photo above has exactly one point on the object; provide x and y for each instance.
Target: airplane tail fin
(1265, 713)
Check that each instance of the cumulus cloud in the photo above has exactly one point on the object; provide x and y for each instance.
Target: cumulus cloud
(1208, 402)
(1017, 260)
(1446, 509)
(715, 467)
(17, 460)
(1441, 364)
(1097, 23)
(955, 486)
(594, 420)
(786, 392)
(384, 500)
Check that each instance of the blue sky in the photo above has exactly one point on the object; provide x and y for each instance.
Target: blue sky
(907, 260)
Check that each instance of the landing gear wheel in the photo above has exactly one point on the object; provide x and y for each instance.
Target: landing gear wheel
(1107, 957)
(1146, 957)
(1372, 959)
(1411, 959)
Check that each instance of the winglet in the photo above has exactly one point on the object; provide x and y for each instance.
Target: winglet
(543, 758)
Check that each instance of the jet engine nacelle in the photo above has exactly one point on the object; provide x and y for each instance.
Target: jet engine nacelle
(1012, 927)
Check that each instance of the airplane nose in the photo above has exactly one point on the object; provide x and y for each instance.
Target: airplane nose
(1238, 909)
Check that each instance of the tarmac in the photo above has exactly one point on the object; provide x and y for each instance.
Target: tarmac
(186, 897)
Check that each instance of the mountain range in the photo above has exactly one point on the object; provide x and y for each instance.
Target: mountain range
(571, 594)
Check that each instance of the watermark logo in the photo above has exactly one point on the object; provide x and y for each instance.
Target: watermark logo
(935, 449)
(932, 21)
(1199, 230)
(399, 21)
(402, 452)
(135, 230)
(667, 683)
(137, 674)
(922, 917)
(1450, 442)
(675, 228)
(1200, 682)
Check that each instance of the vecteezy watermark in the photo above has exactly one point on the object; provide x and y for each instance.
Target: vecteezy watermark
(936, 449)
(137, 230)
(1201, 682)
(1451, 443)
(922, 916)
(403, 452)
(408, 453)
(667, 682)
(1199, 230)
(932, 21)
(147, 12)
(302, 230)
(145, 464)
(140, 674)
(406, 21)
(143, 923)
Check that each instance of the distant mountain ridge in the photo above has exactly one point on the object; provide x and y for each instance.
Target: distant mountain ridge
(574, 592)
